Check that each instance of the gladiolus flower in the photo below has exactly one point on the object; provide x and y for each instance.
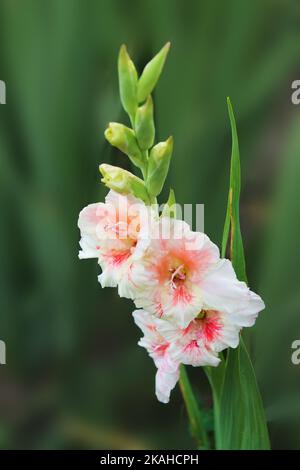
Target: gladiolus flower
(198, 344)
(182, 273)
(114, 232)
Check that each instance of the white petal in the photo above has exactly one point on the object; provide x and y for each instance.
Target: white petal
(196, 354)
(168, 330)
(152, 341)
(224, 292)
(109, 276)
(125, 287)
(107, 280)
(182, 311)
(229, 336)
(88, 245)
(167, 376)
(146, 322)
(89, 217)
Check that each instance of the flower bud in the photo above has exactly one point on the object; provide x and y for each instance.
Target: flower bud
(151, 74)
(169, 209)
(123, 182)
(144, 125)
(158, 166)
(128, 80)
(124, 139)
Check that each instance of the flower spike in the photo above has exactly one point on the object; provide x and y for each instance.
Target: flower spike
(192, 303)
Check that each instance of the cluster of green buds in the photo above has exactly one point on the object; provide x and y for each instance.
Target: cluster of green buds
(137, 142)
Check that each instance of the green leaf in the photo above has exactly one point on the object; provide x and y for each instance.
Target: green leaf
(232, 221)
(195, 417)
(241, 422)
(215, 377)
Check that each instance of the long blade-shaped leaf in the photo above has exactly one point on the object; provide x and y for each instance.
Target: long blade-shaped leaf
(232, 228)
(242, 419)
(242, 423)
(195, 416)
(215, 377)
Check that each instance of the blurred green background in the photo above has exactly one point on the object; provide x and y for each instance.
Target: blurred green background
(75, 377)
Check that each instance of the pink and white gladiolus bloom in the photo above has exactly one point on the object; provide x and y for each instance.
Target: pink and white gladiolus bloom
(192, 304)
(116, 233)
(181, 274)
(197, 345)
(167, 374)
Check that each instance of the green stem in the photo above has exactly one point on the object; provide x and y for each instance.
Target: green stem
(144, 169)
(193, 411)
(215, 376)
(131, 119)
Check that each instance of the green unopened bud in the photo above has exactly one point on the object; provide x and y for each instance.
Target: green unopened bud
(124, 139)
(144, 125)
(169, 209)
(128, 80)
(158, 166)
(151, 73)
(123, 182)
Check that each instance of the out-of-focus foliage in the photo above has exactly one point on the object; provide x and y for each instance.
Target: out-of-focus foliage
(74, 375)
